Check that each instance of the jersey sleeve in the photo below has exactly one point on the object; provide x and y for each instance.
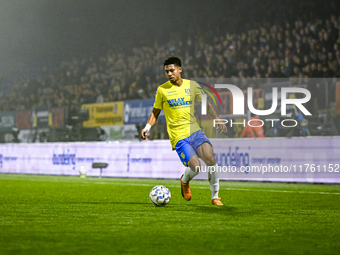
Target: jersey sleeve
(198, 92)
(158, 100)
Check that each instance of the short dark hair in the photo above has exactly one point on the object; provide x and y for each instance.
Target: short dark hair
(173, 61)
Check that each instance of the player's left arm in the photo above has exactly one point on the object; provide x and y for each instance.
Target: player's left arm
(212, 111)
(210, 108)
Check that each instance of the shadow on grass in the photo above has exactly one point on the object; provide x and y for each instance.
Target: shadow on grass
(206, 208)
(111, 203)
(209, 209)
(182, 207)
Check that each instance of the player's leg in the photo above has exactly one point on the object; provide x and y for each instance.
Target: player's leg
(192, 170)
(205, 152)
(189, 159)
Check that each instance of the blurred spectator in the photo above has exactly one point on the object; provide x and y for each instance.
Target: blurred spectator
(254, 129)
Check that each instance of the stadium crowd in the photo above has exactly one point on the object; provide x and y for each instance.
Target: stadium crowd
(301, 48)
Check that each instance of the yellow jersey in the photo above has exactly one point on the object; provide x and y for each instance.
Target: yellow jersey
(178, 104)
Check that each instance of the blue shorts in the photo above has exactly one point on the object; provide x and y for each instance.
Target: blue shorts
(187, 147)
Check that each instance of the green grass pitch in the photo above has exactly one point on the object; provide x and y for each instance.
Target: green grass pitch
(71, 215)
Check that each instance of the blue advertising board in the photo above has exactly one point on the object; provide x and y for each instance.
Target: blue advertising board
(138, 111)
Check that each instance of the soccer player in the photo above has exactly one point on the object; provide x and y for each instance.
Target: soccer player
(176, 97)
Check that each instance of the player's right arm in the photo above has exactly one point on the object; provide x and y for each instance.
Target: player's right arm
(151, 121)
(158, 106)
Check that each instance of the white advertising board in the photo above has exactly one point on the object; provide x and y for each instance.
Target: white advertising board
(296, 159)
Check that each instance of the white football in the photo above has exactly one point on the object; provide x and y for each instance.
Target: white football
(160, 195)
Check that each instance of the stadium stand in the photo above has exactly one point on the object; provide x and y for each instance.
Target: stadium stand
(295, 49)
(299, 48)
